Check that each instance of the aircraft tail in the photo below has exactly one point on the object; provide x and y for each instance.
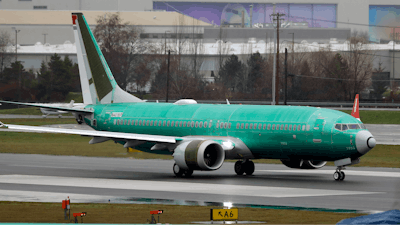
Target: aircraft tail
(97, 82)
(355, 112)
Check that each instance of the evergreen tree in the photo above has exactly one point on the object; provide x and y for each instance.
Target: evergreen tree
(255, 74)
(230, 73)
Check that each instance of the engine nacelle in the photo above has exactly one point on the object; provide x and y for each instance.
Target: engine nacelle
(303, 164)
(199, 155)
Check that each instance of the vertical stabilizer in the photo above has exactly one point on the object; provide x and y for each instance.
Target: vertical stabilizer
(355, 112)
(97, 82)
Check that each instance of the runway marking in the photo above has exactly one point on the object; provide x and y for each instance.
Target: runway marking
(180, 187)
(348, 172)
(37, 196)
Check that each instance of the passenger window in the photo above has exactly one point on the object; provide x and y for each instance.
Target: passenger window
(151, 123)
(205, 124)
(259, 126)
(168, 123)
(226, 125)
(338, 127)
(140, 123)
(115, 122)
(147, 123)
(229, 125)
(344, 127)
(180, 124)
(197, 124)
(298, 127)
(184, 124)
(172, 123)
(264, 126)
(237, 125)
(251, 126)
(290, 127)
(308, 127)
(201, 124)
(222, 125)
(192, 124)
(294, 127)
(209, 125)
(285, 126)
(273, 126)
(217, 125)
(132, 122)
(281, 126)
(242, 126)
(128, 122)
(136, 122)
(303, 128)
(246, 126)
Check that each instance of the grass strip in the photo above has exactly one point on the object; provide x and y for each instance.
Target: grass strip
(140, 213)
(62, 144)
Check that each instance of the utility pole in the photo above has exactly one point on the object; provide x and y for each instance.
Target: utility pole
(278, 15)
(286, 76)
(169, 54)
(394, 30)
(274, 66)
(16, 42)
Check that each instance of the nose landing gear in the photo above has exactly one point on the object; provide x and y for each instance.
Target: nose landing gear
(246, 166)
(339, 175)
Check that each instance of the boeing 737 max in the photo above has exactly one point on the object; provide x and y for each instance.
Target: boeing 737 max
(202, 136)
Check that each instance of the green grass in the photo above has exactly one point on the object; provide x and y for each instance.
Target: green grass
(76, 96)
(22, 111)
(139, 213)
(378, 117)
(39, 122)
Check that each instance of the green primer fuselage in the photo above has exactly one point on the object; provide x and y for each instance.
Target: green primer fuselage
(316, 139)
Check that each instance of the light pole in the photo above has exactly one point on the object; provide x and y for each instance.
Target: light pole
(16, 42)
(165, 42)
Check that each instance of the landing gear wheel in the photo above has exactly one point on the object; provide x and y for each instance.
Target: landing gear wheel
(80, 119)
(337, 176)
(239, 168)
(248, 167)
(342, 175)
(188, 173)
(178, 171)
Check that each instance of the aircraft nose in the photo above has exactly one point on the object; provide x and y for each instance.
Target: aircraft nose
(364, 141)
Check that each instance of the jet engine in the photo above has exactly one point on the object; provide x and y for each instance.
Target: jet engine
(303, 164)
(199, 155)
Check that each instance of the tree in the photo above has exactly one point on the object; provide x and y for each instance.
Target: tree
(121, 46)
(230, 73)
(5, 56)
(57, 79)
(254, 64)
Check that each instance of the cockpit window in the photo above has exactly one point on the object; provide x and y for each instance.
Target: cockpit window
(344, 127)
(338, 126)
(354, 126)
(362, 126)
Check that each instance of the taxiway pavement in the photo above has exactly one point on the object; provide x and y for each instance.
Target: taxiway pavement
(46, 178)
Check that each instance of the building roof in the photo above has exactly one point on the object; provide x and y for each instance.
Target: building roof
(54, 17)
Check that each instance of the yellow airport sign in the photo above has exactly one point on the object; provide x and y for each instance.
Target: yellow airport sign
(224, 214)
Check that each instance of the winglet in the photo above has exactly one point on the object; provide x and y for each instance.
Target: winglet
(355, 112)
(2, 125)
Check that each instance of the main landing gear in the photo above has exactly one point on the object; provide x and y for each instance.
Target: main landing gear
(339, 174)
(179, 172)
(242, 167)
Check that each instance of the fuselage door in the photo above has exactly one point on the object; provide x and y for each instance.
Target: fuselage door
(318, 129)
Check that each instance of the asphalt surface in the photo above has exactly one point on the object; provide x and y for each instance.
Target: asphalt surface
(46, 178)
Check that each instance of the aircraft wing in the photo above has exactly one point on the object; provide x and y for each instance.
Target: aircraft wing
(105, 135)
(83, 111)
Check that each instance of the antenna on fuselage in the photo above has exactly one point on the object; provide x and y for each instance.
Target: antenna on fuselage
(227, 102)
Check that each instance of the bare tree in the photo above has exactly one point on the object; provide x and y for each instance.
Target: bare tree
(5, 56)
(121, 46)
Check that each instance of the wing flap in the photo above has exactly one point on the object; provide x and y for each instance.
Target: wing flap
(94, 133)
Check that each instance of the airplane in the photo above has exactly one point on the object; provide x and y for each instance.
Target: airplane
(202, 136)
(72, 104)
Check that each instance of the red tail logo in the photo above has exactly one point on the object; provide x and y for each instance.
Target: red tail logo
(355, 113)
